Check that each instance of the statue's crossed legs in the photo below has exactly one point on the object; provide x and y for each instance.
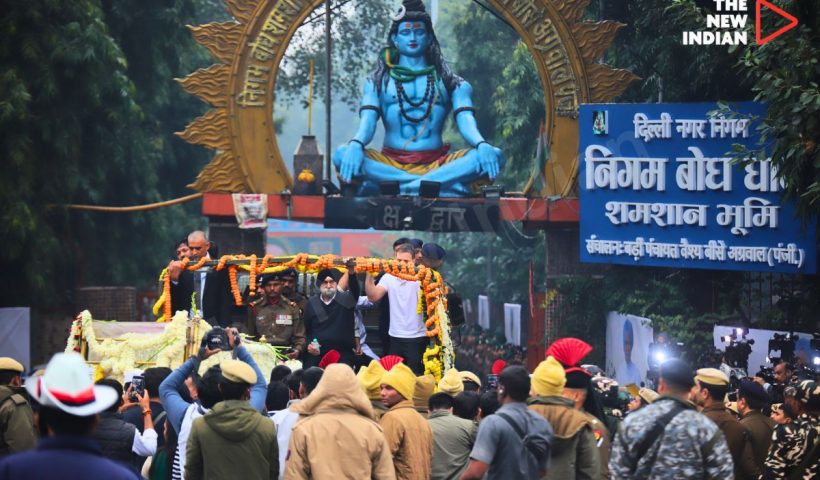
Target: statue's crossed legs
(459, 173)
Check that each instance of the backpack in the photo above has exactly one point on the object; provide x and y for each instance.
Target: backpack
(537, 446)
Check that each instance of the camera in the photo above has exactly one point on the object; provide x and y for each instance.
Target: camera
(137, 388)
(217, 338)
(783, 343)
(660, 351)
(767, 374)
(610, 397)
(492, 382)
(814, 344)
(736, 353)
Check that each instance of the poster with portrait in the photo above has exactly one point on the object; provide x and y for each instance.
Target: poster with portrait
(627, 345)
(251, 210)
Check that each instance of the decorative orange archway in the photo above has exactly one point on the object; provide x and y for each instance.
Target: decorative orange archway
(250, 48)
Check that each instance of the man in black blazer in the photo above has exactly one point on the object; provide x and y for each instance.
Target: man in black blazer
(212, 288)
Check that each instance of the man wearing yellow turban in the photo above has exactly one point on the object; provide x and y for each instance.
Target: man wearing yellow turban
(574, 452)
(408, 434)
(425, 388)
(370, 379)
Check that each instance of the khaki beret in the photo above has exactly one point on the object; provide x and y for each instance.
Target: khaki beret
(648, 394)
(468, 376)
(8, 363)
(238, 372)
(712, 376)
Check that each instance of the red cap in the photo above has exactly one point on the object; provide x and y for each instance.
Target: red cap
(331, 357)
(498, 366)
(390, 361)
(569, 351)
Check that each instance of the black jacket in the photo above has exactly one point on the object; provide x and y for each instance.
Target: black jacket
(115, 436)
(217, 300)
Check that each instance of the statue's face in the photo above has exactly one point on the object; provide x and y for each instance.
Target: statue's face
(412, 39)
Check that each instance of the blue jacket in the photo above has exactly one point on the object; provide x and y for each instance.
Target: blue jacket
(175, 405)
(63, 458)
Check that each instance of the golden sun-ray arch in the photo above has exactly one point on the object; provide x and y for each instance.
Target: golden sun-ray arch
(249, 49)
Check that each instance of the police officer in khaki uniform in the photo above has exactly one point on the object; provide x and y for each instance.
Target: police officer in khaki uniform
(276, 317)
(16, 418)
(751, 399)
(708, 393)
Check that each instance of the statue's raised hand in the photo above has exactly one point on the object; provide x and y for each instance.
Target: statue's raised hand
(352, 161)
(489, 158)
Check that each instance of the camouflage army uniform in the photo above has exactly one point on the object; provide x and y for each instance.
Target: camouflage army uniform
(690, 447)
(790, 443)
(280, 323)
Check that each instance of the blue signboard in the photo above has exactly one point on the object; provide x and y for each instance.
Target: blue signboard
(659, 187)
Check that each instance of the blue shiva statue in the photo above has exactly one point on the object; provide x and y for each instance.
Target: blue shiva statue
(413, 90)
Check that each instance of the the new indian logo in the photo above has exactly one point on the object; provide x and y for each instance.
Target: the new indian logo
(728, 25)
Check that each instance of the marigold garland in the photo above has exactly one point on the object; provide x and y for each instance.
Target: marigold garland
(432, 304)
(252, 279)
(166, 292)
(237, 297)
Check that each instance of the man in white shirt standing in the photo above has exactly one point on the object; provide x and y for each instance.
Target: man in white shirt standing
(408, 336)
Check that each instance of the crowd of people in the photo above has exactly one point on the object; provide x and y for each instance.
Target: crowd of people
(563, 420)
(478, 348)
(349, 413)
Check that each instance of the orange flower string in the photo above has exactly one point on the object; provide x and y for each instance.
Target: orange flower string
(166, 291)
(252, 279)
(265, 262)
(237, 298)
(195, 266)
(432, 289)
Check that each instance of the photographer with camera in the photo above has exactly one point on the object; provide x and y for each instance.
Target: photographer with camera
(181, 414)
(151, 378)
(775, 385)
(276, 318)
